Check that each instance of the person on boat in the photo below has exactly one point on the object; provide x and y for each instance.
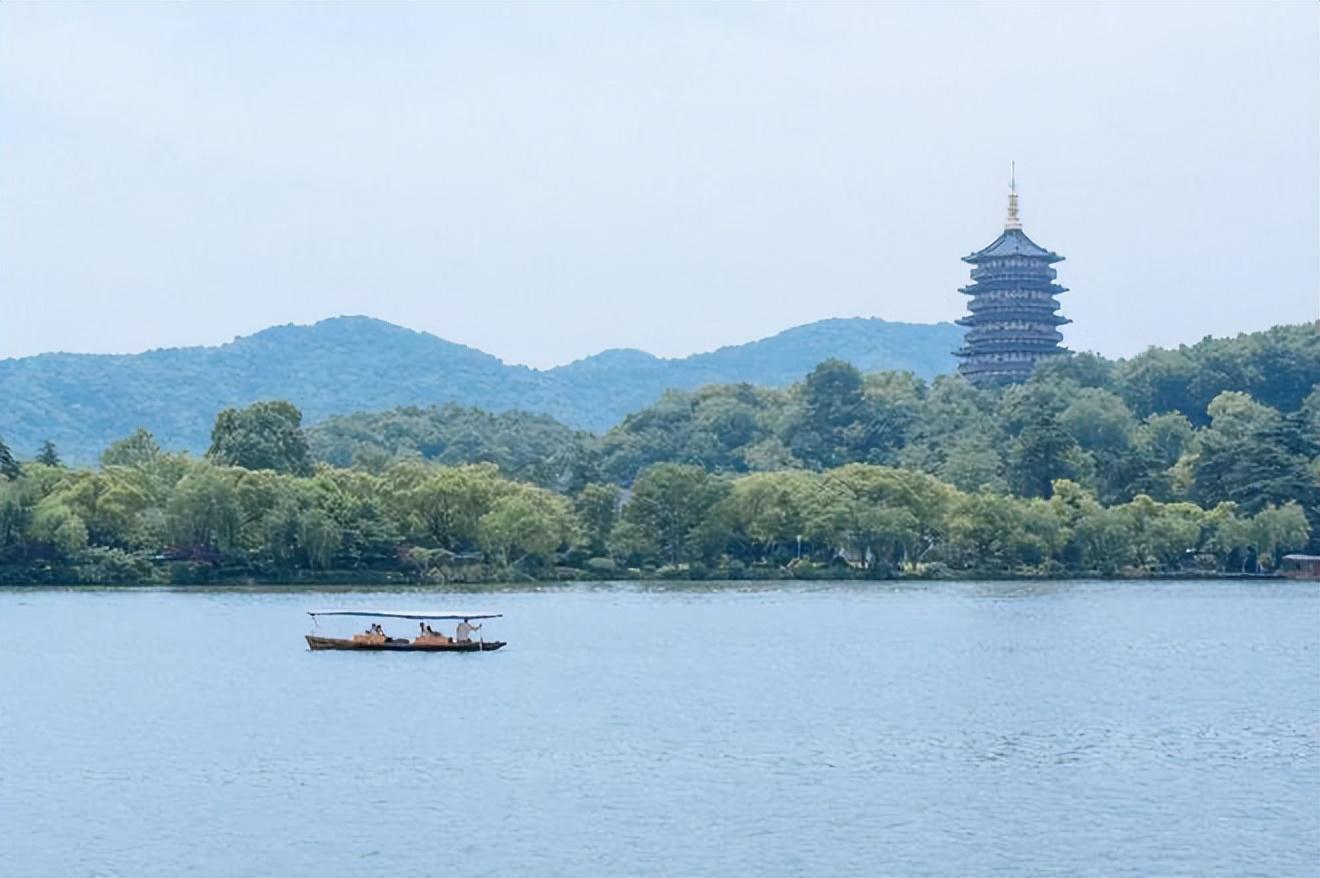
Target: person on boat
(426, 632)
(464, 632)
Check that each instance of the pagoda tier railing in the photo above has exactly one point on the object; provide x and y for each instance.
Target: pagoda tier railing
(982, 335)
(1040, 272)
(1014, 292)
(1025, 348)
(1016, 348)
(990, 287)
(981, 363)
(1013, 298)
(1013, 334)
(1016, 313)
(1024, 323)
(1017, 316)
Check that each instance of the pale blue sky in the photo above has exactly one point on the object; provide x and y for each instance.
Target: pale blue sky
(545, 181)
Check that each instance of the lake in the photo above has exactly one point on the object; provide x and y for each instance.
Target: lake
(980, 729)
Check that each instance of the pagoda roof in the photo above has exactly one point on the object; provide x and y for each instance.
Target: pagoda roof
(1013, 242)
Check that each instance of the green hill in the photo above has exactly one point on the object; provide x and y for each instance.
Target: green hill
(82, 402)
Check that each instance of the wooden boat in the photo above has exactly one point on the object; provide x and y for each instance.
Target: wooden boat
(381, 642)
(403, 645)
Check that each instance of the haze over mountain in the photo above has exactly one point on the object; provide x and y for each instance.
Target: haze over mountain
(82, 402)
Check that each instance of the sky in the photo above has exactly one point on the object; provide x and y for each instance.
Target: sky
(546, 181)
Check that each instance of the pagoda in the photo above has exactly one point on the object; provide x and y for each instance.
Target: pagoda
(1013, 323)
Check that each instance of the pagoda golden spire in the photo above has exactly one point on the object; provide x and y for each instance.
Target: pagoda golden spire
(1013, 221)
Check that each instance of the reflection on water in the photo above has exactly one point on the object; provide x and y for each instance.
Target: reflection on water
(669, 729)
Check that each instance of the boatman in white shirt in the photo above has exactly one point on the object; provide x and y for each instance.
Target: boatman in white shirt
(464, 632)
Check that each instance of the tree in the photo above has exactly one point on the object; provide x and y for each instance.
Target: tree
(57, 525)
(138, 450)
(928, 500)
(957, 436)
(1310, 411)
(203, 511)
(526, 523)
(16, 510)
(764, 511)
(1253, 456)
(879, 533)
(277, 531)
(973, 464)
(992, 532)
(834, 419)
(9, 467)
(1276, 529)
(597, 509)
(1103, 428)
(1106, 540)
(318, 537)
(1084, 370)
(1158, 444)
(110, 503)
(1277, 367)
(1099, 420)
(1041, 453)
(1157, 381)
(528, 447)
(1070, 504)
(358, 506)
(1236, 415)
(1162, 535)
(284, 525)
(1020, 405)
(715, 427)
(265, 435)
(446, 506)
(667, 515)
(893, 404)
(47, 456)
(1227, 535)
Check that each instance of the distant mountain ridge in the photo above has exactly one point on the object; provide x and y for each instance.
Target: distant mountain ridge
(82, 402)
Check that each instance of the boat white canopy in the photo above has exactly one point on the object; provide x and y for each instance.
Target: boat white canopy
(404, 614)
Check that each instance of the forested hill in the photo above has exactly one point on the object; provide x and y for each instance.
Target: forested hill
(1195, 461)
(82, 402)
(870, 345)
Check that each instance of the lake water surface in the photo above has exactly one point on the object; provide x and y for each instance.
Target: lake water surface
(978, 729)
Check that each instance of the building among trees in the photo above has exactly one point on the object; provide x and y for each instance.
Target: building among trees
(1013, 322)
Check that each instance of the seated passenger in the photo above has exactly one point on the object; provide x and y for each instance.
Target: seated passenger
(429, 633)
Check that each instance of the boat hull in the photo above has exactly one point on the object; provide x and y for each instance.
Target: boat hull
(314, 642)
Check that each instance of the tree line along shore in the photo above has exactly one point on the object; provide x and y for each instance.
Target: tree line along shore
(1200, 460)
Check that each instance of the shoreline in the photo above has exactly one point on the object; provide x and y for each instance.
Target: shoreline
(554, 584)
